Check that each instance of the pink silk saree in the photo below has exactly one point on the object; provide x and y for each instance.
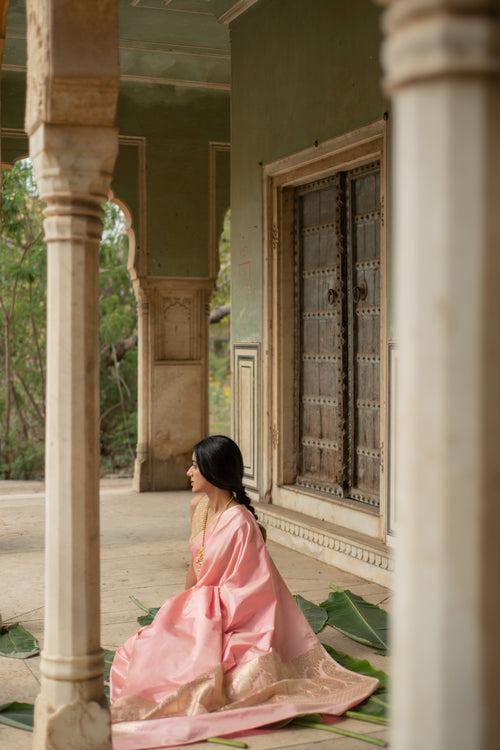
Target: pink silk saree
(232, 653)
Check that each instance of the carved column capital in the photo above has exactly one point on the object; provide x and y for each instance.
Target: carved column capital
(431, 39)
(74, 164)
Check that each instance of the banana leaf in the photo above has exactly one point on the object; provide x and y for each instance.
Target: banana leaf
(286, 722)
(147, 618)
(378, 703)
(314, 614)
(360, 666)
(17, 643)
(358, 619)
(108, 660)
(18, 715)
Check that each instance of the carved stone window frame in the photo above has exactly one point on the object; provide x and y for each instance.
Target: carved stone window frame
(278, 434)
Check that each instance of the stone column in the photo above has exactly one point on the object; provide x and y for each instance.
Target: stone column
(71, 104)
(173, 378)
(442, 68)
(142, 465)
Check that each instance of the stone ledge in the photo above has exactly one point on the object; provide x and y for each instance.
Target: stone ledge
(332, 544)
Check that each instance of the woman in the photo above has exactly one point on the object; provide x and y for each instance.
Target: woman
(232, 651)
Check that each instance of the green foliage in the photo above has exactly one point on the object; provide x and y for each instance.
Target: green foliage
(22, 326)
(358, 619)
(219, 341)
(23, 334)
(17, 643)
(18, 715)
(315, 615)
(222, 292)
(377, 705)
(150, 615)
(118, 383)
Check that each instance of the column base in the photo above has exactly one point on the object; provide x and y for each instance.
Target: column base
(142, 475)
(55, 729)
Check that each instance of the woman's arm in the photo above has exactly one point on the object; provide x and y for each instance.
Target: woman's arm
(190, 577)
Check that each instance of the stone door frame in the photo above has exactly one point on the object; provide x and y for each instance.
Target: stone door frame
(278, 450)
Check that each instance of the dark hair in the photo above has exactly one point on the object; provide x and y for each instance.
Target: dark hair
(220, 461)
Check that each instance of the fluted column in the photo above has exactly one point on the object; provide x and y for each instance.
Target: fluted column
(442, 70)
(73, 168)
(71, 105)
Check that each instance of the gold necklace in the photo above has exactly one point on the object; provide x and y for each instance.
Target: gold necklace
(201, 553)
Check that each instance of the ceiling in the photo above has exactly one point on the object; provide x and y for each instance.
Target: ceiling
(170, 42)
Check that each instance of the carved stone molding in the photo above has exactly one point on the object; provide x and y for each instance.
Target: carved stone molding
(246, 405)
(176, 319)
(322, 542)
(440, 38)
(73, 69)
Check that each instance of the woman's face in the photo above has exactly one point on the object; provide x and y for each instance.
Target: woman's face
(198, 481)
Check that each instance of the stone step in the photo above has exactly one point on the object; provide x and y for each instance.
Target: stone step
(335, 545)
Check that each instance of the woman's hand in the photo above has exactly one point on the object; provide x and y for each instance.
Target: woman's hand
(190, 577)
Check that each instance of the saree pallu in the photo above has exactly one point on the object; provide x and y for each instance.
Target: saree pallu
(234, 652)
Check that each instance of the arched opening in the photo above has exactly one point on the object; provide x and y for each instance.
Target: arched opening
(23, 332)
(118, 341)
(220, 338)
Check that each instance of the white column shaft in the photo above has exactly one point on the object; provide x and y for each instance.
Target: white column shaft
(73, 167)
(444, 76)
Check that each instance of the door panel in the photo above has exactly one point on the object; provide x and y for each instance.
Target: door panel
(337, 295)
(363, 250)
(318, 233)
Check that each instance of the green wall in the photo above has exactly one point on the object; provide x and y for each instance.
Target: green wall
(302, 71)
(178, 124)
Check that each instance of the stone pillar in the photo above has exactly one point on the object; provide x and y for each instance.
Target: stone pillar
(142, 465)
(442, 68)
(71, 104)
(173, 378)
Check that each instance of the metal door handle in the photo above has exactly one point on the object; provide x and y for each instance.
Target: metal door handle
(360, 292)
(332, 296)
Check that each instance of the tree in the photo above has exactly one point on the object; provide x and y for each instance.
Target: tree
(23, 333)
(23, 313)
(118, 337)
(219, 336)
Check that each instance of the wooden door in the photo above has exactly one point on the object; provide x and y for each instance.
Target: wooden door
(321, 360)
(363, 294)
(337, 271)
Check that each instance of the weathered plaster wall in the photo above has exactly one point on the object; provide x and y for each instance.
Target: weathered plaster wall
(297, 77)
(178, 124)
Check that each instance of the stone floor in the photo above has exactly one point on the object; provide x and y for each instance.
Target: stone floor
(144, 553)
